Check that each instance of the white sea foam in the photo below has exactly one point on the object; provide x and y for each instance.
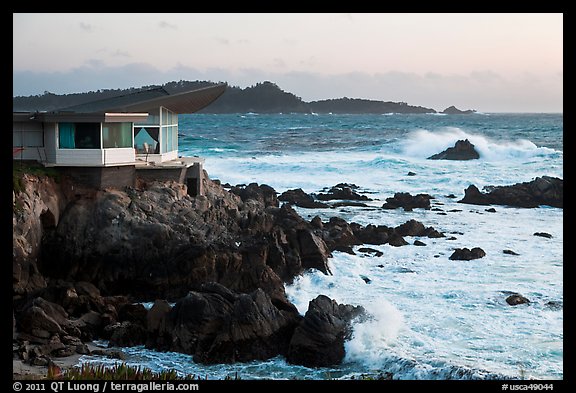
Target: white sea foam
(432, 318)
(425, 143)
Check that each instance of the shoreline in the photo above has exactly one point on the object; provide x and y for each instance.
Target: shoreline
(25, 371)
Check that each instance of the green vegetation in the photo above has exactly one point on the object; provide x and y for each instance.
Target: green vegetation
(19, 168)
(118, 372)
(264, 97)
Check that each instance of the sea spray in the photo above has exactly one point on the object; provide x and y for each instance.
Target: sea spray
(372, 337)
(452, 320)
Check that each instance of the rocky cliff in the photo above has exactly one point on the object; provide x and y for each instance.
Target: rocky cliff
(82, 257)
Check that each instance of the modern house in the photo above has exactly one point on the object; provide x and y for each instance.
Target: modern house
(107, 143)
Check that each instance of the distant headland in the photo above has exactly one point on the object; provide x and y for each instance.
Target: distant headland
(264, 97)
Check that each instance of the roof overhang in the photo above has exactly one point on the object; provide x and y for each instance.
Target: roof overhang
(107, 117)
(187, 102)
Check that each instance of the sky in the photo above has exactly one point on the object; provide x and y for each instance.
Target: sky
(490, 62)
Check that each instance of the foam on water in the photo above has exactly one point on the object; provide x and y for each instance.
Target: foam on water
(425, 143)
(430, 317)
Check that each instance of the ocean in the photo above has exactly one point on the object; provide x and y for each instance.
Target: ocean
(432, 317)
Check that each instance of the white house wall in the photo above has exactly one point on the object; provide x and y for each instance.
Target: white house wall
(94, 157)
(50, 142)
(122, 155)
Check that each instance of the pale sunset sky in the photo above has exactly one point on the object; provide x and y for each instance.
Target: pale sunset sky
(491, 62)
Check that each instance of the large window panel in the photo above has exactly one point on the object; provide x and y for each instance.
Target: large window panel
(79, 135)
(174, 137)
(87, 136)
(148, 135)
(116, 135)
(164, 139)
(66, 135)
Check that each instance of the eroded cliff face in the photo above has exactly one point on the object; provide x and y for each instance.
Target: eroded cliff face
(155, 241)
(82, 257)
(36, 208)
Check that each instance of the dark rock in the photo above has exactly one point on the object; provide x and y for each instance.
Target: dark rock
(346, 249)
(372, 234)
(367, 250)
(516, 299)
(543, 234)
(490, 210)
(554, 305)
(416, 228)
(348, 204)
(462, 150)
(158, 332)
(343, 191)
(396, 240)
(126, 334)
(136, 313)
(419, 243)
(510, 252)
(319, 339)
(313, 252)
(262, 193)
(317, 223)
(366, 279)
(410, 228)
(407, 201)
(89, 325)
(543, 190)
(299, 198)
(41, 318)
(216, 325)
(339, 235)
(465, 254)
(452, 110)
(410, 173)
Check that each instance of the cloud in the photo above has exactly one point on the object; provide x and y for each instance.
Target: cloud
(87, 27)
(485, 91)
(120, 53)
(166, 25)
(222, 40)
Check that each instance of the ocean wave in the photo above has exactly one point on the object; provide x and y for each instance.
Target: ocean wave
(424, 143)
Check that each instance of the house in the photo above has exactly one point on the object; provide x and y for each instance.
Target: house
(107, 143)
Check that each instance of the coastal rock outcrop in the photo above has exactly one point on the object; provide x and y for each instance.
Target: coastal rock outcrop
(408, 202)
(452, 110)
(158, 242)
(342, 191)
(217, 325)
(516, 299)
(83, 256)
(37, 206)
(319, 339)
(545, 190)
(466, 254)
(299, 198)
(462, 150)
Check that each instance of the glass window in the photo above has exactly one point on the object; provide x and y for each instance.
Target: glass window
(164, 139)
(79, 135)
(147, 137)
(66, 133)
(116, 135)
(33, 139)
(28, 139)
(174, 137)
(169, 117)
